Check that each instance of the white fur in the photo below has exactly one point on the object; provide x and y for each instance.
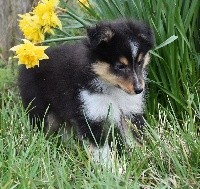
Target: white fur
(96, 105)
(134, 48)
(101, 155)
(105, 156)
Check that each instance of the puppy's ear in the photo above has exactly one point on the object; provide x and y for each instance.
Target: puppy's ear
(99, 35)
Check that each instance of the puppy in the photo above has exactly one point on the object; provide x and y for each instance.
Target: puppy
(92, 83)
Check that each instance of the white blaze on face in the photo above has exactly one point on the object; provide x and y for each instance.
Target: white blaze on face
(134, 48)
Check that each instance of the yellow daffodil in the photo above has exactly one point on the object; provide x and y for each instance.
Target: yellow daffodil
(34, 25)
(29, 54)
(31, 28)
(45, 10)
(84, 2)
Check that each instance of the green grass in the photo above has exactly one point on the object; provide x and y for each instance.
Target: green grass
(7, 76)
(169, 159)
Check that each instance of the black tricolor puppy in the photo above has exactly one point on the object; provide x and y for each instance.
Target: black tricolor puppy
(83, 84)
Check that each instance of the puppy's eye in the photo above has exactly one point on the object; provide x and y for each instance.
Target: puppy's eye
(120, 66)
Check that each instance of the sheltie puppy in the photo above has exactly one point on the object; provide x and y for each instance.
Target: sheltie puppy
(89, 85)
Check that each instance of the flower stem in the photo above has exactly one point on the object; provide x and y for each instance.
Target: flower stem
(64, 39)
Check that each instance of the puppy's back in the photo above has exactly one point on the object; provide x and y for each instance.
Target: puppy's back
(56, 81)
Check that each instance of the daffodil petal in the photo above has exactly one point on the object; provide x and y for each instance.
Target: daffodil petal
(30, 54)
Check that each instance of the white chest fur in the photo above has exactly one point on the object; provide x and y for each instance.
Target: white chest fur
(97, 105)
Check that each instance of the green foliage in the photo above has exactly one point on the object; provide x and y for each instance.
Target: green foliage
(7, 76)
(175, 66)
(170, 157)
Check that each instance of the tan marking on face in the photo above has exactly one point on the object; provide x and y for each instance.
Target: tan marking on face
(126, 85)
(124, 60)
(140, 57)
(143, 83)
(102, 69)
(146, 59)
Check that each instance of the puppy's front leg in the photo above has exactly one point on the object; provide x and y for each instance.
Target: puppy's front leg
(99, 154)
(132, 130)
(106, 157)
(138, 127)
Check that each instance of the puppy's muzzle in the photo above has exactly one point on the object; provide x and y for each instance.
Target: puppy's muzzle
(138, 90)
(138, 84)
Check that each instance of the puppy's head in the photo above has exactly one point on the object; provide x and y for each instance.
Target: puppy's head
(120, 49)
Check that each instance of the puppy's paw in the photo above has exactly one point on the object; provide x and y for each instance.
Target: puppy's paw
(106, 158)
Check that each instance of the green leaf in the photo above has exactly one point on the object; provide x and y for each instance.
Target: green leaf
(167, 42)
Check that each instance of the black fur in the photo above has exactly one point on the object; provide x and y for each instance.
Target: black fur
(55, 85)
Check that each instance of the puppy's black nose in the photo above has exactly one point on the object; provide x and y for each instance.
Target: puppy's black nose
(138, 90)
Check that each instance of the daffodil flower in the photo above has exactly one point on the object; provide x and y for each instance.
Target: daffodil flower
(45, 10)
(31, 27)
(29, 54)
(35, 24)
